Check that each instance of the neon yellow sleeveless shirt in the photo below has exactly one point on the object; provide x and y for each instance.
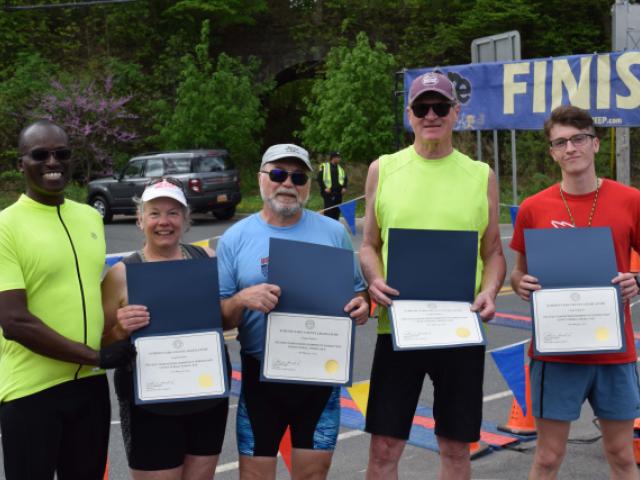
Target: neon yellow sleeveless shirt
(449, 193)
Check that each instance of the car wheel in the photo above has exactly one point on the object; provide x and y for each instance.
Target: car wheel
(224, 213)
(102, 206)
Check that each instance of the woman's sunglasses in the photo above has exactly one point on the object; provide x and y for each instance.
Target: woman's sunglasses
(171, 180)
(279, 175)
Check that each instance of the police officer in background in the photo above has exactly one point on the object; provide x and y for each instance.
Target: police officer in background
(333, 184)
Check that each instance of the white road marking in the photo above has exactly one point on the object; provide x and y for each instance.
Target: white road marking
(496, 396)
(507, 346)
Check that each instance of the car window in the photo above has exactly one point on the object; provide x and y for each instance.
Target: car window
(214, 164)
(155, 168)
(133, 169)
(177, 165)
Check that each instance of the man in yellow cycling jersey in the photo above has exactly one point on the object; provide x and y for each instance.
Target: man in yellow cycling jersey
(54, 398)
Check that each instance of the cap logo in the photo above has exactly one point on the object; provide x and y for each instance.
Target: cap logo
(429, 79)
(164, 184)
(291, 149)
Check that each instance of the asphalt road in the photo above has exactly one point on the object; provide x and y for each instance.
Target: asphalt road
(584, 460)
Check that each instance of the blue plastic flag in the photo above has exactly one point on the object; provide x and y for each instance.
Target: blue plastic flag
(513, 210)
(112, 260)
(349, 213)
(510, 362)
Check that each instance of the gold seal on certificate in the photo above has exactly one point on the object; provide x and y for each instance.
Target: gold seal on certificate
(463, 332)
(304, 348)
(205, 380)
(179, 367)
(418, 324)
(576, 320)
(331, 366)
(602, 334)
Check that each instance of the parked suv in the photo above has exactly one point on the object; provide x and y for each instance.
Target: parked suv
(211, 182)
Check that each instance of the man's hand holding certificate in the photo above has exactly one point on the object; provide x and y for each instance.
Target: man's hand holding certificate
(577, 310)
(435, 273)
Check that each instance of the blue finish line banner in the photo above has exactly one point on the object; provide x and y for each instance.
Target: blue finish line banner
(520, 95)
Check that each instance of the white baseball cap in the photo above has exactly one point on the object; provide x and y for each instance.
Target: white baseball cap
(164, 189)
(285, 150)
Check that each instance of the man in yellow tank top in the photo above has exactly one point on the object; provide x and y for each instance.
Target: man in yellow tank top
(429, 185)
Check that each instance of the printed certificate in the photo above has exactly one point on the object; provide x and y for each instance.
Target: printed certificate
(308, 348)
(180, 367)
(577, 320)
(421, 324)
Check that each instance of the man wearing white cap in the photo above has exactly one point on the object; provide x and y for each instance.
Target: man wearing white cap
(429, 185)
(266, 409)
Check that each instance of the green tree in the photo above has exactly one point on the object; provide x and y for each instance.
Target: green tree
(351, 109)
(21, 88)
(222, 12)
(215, 106)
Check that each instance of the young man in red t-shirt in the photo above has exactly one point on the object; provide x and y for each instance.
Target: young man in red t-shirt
(560, 385)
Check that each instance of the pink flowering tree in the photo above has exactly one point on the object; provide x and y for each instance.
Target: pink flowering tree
(96, 120)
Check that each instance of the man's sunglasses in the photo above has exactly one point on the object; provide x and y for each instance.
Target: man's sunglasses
(42, 154)
(441, 109)
(279, 175)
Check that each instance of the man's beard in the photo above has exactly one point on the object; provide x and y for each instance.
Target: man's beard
(284, 211)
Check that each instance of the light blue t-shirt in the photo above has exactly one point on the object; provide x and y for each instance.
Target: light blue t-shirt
(243, 261)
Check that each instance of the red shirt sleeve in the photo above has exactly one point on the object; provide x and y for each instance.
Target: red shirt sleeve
(522, 222)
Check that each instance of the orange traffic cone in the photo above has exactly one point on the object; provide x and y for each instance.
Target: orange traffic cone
(636, 450)
(636, 440)
(518, 423)
(477, 448)
(285, 448)
(373, 308)
(635, 262)
(106, 471)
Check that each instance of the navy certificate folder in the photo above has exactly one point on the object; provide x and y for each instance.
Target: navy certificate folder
(436, 265)
(181, 295)
(573, 258)
(314, 279)
(432, 264)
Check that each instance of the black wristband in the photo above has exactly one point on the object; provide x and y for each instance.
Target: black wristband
(117, 354)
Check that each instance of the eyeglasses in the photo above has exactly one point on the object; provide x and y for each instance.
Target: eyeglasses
(279, 175)
(577, 140)
(171, 180)
(441, 109)
(42, 154)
